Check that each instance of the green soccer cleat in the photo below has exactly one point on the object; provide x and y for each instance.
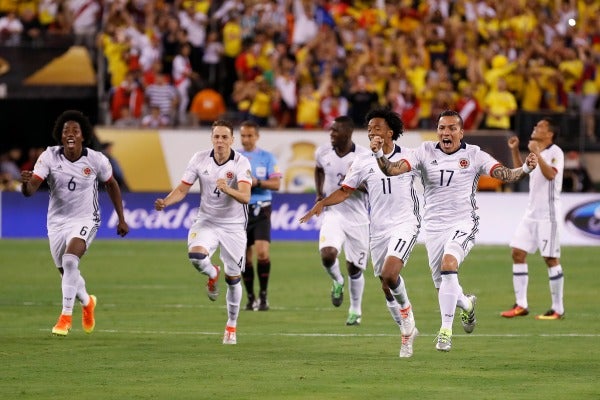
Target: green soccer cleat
(353, 319)
(337, 294)
(468, 318)
(444, 340)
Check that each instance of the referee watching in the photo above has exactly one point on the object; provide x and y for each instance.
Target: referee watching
(266, 177)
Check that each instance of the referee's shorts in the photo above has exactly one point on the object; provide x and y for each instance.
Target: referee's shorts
(259, 222)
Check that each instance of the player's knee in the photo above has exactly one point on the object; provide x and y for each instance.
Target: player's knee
(354, 272)
(328, 256)
(518, 256)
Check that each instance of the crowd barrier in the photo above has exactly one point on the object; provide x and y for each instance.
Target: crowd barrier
(499, 214)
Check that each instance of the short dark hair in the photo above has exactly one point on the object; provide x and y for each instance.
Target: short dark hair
(450, 113)
(392, 119)
(250, 124)
(347, 124)
(87, 130)
(222, 122)
(552, 127)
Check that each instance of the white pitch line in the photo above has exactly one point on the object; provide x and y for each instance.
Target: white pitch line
(317, 334)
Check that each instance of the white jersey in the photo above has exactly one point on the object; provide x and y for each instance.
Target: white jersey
(73, 185)
(544, 194)
(354, 209)
(386, 193)
(214, 205)
(450, 182)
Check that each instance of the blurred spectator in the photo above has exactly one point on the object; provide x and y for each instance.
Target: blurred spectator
(333, 105)
(128, 94)
(163, 94)
(261, 100)
(286, 96)
(211, 61)
(9, 163)
(194, 21)
(8, 184)
(84, 16)
(126, 120)
(207, 106)
(183, 77)
(362, 98)
(232, 47)
(469, 108)
(32, 28)
(155, 119)
(10, 29)
(575, 177)
(499, 106)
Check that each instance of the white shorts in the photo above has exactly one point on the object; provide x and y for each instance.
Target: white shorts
(231, 239)
(457, 241)
(59, 240)
(532, 235)
(354, 239)
(398, 242)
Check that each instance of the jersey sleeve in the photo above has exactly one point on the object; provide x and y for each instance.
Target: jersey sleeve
(105, 170)
(273, 170)
(191, 171)
(354, 175)
(486, 163)
(41, 168)
(244, 170)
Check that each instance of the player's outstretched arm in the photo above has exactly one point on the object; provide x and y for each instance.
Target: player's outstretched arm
(334, 198)
(510, 175)
(114, 192)
(175, 196)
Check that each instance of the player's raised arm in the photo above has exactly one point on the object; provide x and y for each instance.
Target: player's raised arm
(387, 167)
(510, 175)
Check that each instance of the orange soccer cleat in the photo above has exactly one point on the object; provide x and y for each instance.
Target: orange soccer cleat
(515, 311)
(63, 326)
(87, 318)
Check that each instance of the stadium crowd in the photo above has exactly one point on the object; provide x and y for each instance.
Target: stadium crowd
(300, 63)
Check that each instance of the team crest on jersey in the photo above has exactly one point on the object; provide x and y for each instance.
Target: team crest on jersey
(87, 171)
(229, 175)
(463, 163)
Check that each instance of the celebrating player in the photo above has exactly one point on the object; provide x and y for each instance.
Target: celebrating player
(450, 169)
(225, 181)
(72, 172)
(393, 235)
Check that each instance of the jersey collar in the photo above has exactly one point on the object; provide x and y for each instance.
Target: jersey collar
(231, 156)
(463, 145)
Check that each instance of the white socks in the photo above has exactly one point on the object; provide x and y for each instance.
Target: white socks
(335, 273)
(557, 281)
(449, 294)
(520, 282)
(357, 287)
(70, 282)
(234, 299)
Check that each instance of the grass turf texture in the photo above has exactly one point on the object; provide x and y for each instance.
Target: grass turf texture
(158, 336)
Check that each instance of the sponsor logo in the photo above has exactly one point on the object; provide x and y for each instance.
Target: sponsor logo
(434, 162)
(182, 216)
(585, 219)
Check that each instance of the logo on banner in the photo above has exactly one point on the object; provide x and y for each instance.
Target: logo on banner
(585, 219)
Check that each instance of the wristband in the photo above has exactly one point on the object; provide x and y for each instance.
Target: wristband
(526, 168)
(379, 153)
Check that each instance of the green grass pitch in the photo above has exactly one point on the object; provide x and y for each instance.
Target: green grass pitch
(159, 337)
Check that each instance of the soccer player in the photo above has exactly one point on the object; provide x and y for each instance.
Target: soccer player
(538, 228)
(345, 224)
(393, 235)
(72, 171)
(266, 177)
(225, 179)
(450, 169)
